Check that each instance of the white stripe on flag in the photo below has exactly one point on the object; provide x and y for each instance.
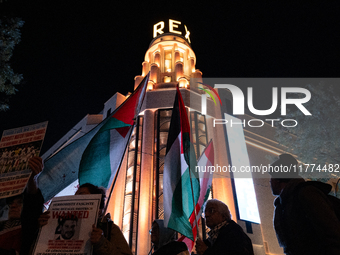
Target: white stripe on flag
(117, 150)
(172, 161)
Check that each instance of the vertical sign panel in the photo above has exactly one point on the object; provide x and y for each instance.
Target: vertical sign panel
(245, 192)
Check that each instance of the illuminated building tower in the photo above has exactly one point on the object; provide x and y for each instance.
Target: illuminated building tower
(136, 198)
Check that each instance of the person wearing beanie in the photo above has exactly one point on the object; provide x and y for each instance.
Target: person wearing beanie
(304, 219)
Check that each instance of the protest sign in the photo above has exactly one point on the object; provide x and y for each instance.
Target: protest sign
(69, 226)
(17, 146)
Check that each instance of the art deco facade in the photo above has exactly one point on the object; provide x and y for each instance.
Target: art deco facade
(136, 198)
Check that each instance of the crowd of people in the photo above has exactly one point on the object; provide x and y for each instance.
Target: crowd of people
(304, 220)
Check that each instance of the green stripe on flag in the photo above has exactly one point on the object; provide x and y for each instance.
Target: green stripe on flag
(181, 187)
(113, 123)
(96, 157)
(181, 211)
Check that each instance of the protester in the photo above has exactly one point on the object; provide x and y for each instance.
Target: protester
(163, 240)
(19, 220)
(10, 229)
(32, 207)
(225, 236)
(107, 239)
(304, 220)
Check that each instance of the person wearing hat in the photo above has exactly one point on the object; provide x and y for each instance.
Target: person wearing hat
(304, 220)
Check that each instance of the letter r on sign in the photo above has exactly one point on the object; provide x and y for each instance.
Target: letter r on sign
(158, 28)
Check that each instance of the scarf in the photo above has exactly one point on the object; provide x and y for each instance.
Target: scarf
(213, 233)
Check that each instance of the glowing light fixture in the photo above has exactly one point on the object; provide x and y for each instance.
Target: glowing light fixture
(183, 82)
(167, 79)
(150, 85)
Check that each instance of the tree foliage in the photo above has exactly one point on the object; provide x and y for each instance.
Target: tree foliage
(315, 139)
(9, 37)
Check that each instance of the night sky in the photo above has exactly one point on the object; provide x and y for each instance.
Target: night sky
(74, 55)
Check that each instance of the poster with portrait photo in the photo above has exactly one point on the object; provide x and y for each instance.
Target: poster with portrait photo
(69, 226)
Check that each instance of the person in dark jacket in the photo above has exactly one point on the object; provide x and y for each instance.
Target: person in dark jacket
(304, 220)
(32, 207)
(106, 237)
(225, 235)
(10, 229)
(163, 240)
(16, 232)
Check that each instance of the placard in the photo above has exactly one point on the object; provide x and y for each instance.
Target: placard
(17, 146)
(69, 226)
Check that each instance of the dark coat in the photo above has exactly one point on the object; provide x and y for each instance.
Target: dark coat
(172, 248)
(304, 220)
(32, 209)
(113, 241)
(10, 237)
(166, 244)
(231, 240)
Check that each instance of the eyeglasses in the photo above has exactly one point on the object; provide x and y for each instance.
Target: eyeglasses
(209, 211)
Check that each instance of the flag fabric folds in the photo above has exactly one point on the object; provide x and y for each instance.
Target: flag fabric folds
(181, 187)
(206, 160)
(94, 157)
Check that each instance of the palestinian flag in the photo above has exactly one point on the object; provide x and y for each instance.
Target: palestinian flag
(206, 160)
(96, 156)
(181, 187)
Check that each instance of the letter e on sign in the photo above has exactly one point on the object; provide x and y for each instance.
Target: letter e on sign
(172, 25)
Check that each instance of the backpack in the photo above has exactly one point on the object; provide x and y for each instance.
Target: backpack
(325, 188)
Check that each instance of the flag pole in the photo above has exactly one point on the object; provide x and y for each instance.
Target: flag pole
(193, 200)
(192, 189)
(128, 142)
(118, 170)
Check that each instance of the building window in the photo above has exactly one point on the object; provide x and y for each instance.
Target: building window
(198, 132)
(167, 60)
(163, 118)
(200, 140)
(181, 58)
(132, 186)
